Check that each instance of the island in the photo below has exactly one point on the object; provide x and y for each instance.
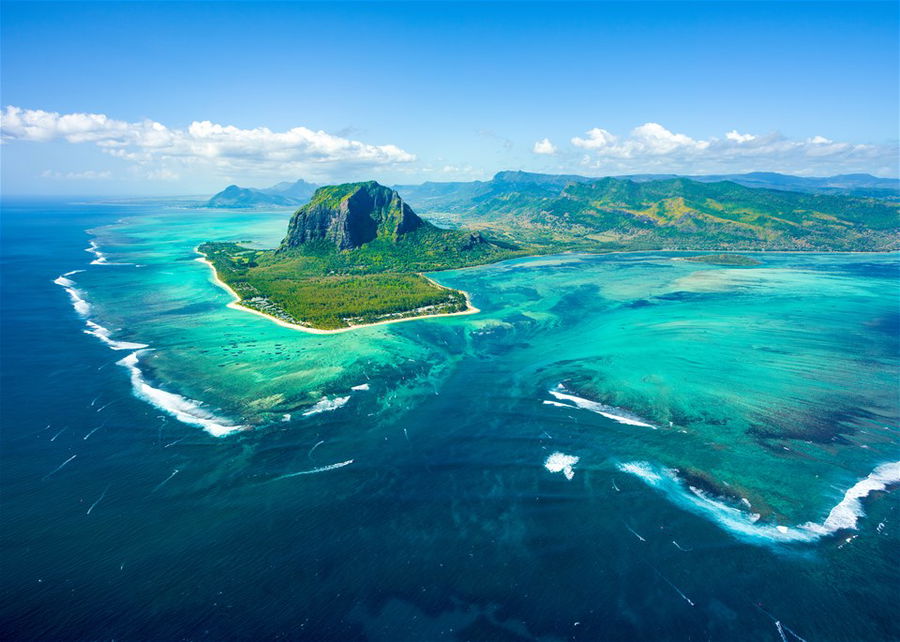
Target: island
(723, 259)
(354, 255)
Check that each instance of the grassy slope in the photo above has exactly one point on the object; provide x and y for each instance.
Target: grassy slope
(678, 213)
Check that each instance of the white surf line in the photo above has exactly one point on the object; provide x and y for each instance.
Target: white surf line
(321, 469)
(163, 482)
(319, 443)
(610, 412)
(58, 468)
(743, 524)
(325, 405)
(102, 495)
(185, 410)
(82, 307)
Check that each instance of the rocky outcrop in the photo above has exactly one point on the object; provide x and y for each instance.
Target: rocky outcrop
(351, 215)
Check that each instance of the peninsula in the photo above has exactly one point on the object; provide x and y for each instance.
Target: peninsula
(354, 255)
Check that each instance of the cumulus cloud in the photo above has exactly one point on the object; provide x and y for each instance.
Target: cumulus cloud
(203, 143)
(653, 148)
(544, 146)
(596, 139)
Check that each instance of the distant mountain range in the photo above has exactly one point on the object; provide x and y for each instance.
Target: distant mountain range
(459, 196)
(450, 197)
(283, 194)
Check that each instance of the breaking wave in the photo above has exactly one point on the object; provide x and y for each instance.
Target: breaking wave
(104, 334)
(325, 404)
(82, 307)
(745, 525)
(610, 412)
(183, 409)
(561, 463)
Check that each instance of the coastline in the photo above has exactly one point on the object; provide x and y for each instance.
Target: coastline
(236, 305)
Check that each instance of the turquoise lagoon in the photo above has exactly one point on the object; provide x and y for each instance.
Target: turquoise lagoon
(726, 434)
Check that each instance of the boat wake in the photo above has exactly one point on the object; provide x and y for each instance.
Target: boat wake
(313, 471)
(610, 412)
(745, 525)
(185, 410)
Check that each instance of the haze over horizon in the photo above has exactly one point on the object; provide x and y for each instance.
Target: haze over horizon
(185, 98)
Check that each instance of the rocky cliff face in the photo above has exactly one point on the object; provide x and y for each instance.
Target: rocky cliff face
(351, 215)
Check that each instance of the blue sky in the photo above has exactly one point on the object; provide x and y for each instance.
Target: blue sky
(184, 98)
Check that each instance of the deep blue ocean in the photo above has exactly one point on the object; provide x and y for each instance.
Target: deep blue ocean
(447, 519)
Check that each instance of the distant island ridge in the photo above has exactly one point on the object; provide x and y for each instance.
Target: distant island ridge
(299, 192)
(356, 253)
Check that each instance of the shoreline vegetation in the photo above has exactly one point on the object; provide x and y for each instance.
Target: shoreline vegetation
(236, 305)
(356, 254)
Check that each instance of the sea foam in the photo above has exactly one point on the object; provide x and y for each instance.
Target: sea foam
(561, 463)
(610, 412)
(183, 409)
(82, 307)
(744, 524)
(104, 334)
(325, 404)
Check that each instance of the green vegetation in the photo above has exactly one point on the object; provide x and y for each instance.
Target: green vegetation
(723, 259)
(353, 255)
(617, 214)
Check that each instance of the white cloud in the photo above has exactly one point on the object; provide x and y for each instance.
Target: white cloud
(596, 139)
(737, 137)
(652, 148)
(162, 150)
(544, 146)
(87, 175)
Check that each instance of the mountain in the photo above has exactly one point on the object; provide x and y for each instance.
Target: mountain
(613, 213)
(351, 215)
(283, 194)
(353, 255)
(459, 197)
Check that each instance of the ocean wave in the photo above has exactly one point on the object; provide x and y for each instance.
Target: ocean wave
(610, 412)
(325, 404)
(561, 463)
(185, 410)
(745, 525)
(100, 257)
(82, 307)
(104, 334)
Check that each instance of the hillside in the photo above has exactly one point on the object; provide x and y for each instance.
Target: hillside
(674, 213)
(353, 255)
(460, 197)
